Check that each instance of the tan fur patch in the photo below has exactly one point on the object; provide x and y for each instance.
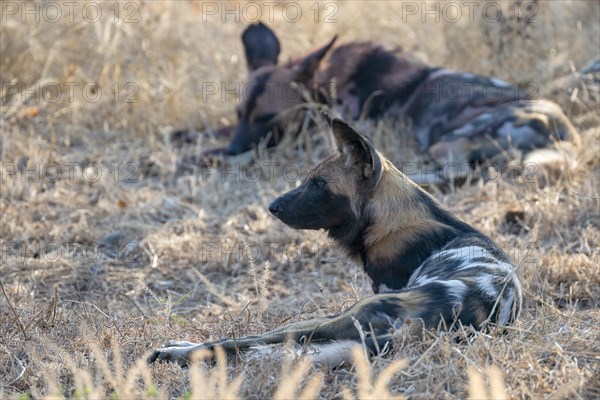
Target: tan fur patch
(412, 302)
(480, 314)
(399, 216)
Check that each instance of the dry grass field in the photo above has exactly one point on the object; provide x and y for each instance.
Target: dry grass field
(106, 252)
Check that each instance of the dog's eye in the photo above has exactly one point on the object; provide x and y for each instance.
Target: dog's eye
(264, 119)
(320, 183)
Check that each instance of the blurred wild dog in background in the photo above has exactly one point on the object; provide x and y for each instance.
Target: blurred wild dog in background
(425, 264)
(455, 116)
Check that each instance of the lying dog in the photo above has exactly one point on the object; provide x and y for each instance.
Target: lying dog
(455, 116)
(424, 263)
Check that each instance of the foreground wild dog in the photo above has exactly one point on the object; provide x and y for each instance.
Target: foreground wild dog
(455, 116)
(424, 263)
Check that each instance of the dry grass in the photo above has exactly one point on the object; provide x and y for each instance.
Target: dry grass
(96, 270)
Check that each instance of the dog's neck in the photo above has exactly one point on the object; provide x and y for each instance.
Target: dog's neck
(400, 226)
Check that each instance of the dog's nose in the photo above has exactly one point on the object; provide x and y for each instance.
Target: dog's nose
(273, 208)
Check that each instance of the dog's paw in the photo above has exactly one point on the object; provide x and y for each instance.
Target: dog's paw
(179, 352)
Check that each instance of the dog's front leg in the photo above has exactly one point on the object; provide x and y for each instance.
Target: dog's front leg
(375, 314)
(180, 352)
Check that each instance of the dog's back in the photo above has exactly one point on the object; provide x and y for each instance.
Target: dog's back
(369, 79)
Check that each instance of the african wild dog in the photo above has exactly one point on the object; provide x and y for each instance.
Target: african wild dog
(455, 116)
(424, 263)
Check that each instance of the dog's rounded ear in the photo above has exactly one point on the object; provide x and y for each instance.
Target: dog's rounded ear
(260, 45)
(356, 148)
(307, 66)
